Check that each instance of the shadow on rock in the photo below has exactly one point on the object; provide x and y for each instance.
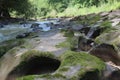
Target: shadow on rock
(34, 66)
(106, 52)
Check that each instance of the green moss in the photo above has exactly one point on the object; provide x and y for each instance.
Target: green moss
(7, 45)
(69, 33)
(68, 59)
(63, 30)
(84, 59)
(70, 43)
(64, 69)
(27, 78)
(27, 55)
(107, 26)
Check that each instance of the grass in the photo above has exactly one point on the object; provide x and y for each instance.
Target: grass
(70, 42)
(26, 78)
(75, 11)
(44, 9)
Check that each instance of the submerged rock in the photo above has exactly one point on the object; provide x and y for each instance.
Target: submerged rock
(24, 35)
(1, 25)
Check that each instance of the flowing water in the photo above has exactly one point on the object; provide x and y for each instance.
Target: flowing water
(48, 42)
(10, 60)
(10, 31)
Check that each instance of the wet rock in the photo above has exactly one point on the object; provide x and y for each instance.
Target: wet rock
(39, 26)
(24, 35)
(85, 30)
(115, 13)
(94, 32)
(5, 22)
(1, 25)
(77, 27)
(34, 66)
(35, 25)
(112, 37)
(103, 14)
(24, 23)
(115, 75)
(85, 44)
(91, 75)
(74, 66)
(110, 73)
(106, 52)
(115, 21)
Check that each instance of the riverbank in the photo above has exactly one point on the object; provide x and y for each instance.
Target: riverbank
(79, 48)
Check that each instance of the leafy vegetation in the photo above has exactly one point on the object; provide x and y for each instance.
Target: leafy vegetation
(55, 8)
(59, 8)
(18, 7)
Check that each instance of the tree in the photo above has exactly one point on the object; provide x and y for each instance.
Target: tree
(20, 6)
(59, 5)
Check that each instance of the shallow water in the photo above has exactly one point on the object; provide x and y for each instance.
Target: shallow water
(12, 30)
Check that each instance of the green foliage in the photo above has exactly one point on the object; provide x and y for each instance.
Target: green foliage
(19, 6)
(72, 7)
(44, 8)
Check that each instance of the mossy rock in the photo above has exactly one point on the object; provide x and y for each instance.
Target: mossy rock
(74, 66)
(7, 45)
(70, 43)
(112, 37)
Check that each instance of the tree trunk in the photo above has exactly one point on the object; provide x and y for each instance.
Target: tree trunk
(4, 13)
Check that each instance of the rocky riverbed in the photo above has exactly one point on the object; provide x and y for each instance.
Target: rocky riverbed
(80, 48)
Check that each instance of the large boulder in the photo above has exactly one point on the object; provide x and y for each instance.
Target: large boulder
(74, 66)
(107, 53)
(112, 34)
(112, 37)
